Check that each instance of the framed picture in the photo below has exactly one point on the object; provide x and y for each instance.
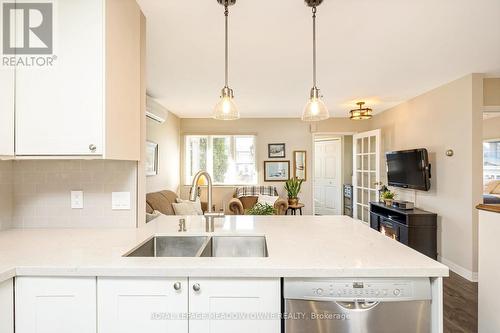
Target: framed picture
(300, 164)
(276, 171)
(151, 159)
(276, 150)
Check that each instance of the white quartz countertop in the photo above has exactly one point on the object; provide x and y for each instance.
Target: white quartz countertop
(298, 246)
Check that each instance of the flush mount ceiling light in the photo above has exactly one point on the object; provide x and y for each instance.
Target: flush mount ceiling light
(315, 109)
(226, 108)
(361, 113)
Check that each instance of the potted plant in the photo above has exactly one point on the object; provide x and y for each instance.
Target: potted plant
(388, 197)
(293, 187)
(261, 209)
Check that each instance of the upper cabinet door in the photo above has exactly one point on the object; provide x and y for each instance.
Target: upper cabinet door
(132, 305)
(6, 111)
(60, 104)
(246, 298)
(55, 305)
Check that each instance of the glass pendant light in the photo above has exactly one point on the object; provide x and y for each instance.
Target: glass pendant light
(226, 108)
(361, 113)
(315, 109)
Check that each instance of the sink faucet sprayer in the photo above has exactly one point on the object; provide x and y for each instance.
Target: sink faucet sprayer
(210, 215)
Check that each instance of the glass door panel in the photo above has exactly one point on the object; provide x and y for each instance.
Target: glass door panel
(366, 161)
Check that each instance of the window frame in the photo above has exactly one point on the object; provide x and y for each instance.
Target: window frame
(209, 162)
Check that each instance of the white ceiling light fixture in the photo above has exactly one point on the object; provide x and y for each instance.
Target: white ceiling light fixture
(226, 108)
(315, 109)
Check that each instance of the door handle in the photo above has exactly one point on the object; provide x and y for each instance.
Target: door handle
(357, 305)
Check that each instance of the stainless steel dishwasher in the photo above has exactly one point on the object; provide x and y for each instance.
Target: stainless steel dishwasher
(401, 305)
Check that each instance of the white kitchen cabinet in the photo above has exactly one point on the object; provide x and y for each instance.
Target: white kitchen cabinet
(7, 306)
(131, 305)
(6, 111)
(55, 305)
(245, 298)
(88, 102)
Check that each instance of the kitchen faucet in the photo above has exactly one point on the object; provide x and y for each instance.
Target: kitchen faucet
(210, 215)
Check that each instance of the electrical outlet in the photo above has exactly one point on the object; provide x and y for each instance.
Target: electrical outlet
(120, 201)
(76, 199)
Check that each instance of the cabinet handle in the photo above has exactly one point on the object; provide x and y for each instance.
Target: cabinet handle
(92, 148)
(196, 287)
(177, 286)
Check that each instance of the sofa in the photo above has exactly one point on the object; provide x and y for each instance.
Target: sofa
(162, 202)
(246, 197)
(491, 193)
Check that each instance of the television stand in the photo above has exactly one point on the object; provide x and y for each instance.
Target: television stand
(415, 228)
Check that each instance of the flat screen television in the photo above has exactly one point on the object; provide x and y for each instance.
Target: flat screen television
(409, 169)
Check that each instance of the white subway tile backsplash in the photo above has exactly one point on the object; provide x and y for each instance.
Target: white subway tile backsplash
(42, 193)
(6, 194)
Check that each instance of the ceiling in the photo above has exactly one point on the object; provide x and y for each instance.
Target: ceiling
(383, 52)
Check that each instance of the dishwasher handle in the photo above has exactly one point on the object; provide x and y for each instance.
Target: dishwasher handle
(357, 305)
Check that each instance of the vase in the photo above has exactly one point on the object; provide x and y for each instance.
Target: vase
(388, 202)
(293, 201)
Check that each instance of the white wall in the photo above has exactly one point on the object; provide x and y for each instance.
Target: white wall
(448, 117)
(41, 196)
(6, 193)
(489, 266)
(167, 135)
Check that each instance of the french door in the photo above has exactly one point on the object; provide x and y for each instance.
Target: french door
(366, 172)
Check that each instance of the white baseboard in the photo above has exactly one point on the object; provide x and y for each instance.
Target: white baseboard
(463, 272)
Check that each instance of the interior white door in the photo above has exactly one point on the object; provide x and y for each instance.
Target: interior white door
(60, 108)
(55, 305)
(328, 177)
(366, 175)
(7, 95)
(247, 300)
(153, 305)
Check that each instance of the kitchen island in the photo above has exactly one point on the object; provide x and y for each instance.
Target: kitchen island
(297, 247)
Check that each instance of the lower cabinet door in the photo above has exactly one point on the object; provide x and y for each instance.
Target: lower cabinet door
(232, 305)
(140, 305)
(55, 305)
(7, 306)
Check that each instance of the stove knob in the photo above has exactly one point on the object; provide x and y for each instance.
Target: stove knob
(319, 291)
(397, 292)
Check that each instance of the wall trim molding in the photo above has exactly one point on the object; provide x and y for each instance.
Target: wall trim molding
(463, 272)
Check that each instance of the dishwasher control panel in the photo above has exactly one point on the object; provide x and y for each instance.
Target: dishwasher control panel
(358, 289)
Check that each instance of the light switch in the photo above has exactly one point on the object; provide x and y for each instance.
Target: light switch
(76, 199)
(120, 201)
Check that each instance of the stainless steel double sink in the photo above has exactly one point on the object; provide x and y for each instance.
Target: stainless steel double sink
(201, 246)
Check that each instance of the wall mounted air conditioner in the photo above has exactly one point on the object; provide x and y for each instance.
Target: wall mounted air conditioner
(155, 111)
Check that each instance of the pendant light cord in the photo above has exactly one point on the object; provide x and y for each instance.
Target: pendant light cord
(314, 45)
(226, 13)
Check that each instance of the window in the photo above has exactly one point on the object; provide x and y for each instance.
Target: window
(230, 159)
(491, 161)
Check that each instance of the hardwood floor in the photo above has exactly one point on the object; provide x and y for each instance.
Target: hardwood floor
(460, 305)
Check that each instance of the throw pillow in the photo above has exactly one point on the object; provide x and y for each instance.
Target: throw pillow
(184, 208)
(496, 190)
(196, 204)
(267, 199)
